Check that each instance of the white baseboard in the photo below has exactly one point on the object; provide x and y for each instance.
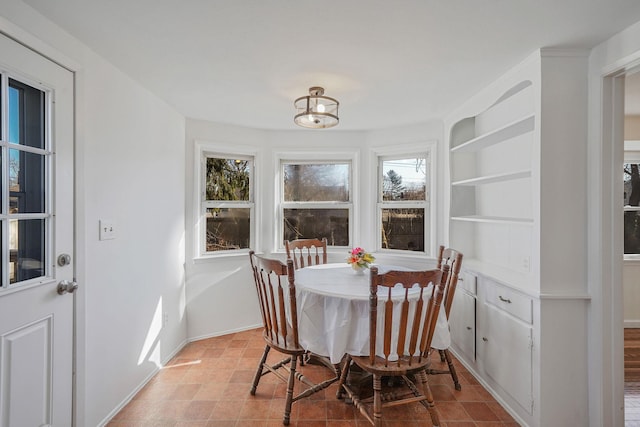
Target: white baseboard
(140, 386)
(219, 334)
(632, 324)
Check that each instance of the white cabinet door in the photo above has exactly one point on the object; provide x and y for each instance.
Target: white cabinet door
(504, 349)
(462, 323)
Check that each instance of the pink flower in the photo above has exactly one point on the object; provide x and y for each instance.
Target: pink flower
(357, 251)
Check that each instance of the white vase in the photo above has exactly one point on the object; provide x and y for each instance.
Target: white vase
(359, 271)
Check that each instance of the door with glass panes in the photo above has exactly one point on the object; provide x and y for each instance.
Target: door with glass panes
(36, 239)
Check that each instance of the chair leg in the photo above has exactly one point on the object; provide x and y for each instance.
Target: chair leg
(256, 379)
(452, 369)
(377, 400)
(426, 390)
(289, 400)
(343, 377)
(442, 355)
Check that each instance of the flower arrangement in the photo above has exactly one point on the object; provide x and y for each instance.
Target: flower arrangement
(359, 258)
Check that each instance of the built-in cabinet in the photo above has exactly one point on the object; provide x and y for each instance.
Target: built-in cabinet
(486, 319)
(462, 318)
(505, 322)
(517, 211)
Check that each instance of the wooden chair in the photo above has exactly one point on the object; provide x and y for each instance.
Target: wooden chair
(275, 285)
(305, 252)
(453, 258)
(408, 336)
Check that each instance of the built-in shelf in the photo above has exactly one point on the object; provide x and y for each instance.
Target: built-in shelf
(493, 219)
(489, 179)
(511, 130)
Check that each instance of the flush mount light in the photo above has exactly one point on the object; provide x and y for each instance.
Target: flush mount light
(315, 110)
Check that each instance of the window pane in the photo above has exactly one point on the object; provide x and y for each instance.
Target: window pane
(228, 228)
(317, 223)
(2, 183)
(26, 115)
(26, 182)
(26, 249)
(403, 229)
(404, 179)
(632, 232)
(228, 179)
(631, 198)
(316, 182)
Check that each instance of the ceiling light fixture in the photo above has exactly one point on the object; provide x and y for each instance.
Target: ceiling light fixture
(315, 110)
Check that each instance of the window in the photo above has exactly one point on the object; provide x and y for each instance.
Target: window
(227, 202)
(316, 201)
(403, 202)
(632, 208)
(25, 215)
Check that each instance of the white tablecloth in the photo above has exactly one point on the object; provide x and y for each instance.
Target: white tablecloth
(333, 311)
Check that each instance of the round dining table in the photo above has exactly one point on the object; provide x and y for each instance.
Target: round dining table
(333, 310)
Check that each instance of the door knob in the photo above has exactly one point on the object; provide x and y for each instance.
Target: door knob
(66, 286)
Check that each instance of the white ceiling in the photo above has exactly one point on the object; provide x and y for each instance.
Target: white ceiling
(389, 63)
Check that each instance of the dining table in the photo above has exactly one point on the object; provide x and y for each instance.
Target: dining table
(333, 310)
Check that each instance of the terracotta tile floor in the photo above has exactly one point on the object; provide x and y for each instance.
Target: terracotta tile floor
(207, 385)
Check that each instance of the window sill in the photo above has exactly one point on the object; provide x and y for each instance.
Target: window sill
(210, 258)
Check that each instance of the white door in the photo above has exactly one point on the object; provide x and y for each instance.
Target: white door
(36, 227)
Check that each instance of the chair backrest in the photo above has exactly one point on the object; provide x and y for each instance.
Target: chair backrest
(275, 285)
(416, 311)
(305, 252)
(452, 258)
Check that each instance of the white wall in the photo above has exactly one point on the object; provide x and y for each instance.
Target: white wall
(604, 228)
(129, 169)
(220, 291)
(134, 175)
(632, 128)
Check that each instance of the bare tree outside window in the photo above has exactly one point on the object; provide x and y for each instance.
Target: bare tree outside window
(316, 201)
(404, 199)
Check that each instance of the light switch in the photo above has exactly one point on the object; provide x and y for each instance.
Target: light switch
(107, 229)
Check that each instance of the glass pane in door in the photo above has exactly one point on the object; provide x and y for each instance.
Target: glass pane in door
(27, 242)
(26, 115)
(24, 178)
(26, 188)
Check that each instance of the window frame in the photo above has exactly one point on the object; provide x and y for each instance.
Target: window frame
(315, 157)
(631, 155)
(206, 150)
(428, 149)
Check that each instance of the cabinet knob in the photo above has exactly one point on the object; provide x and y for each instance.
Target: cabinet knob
(485, 339)
(460, 278)
(469, 328)
(507, 300)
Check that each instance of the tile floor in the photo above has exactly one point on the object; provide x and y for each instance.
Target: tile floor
(207, 385)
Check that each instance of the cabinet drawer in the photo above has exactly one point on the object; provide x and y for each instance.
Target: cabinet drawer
(467, 281)
(513, 302)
